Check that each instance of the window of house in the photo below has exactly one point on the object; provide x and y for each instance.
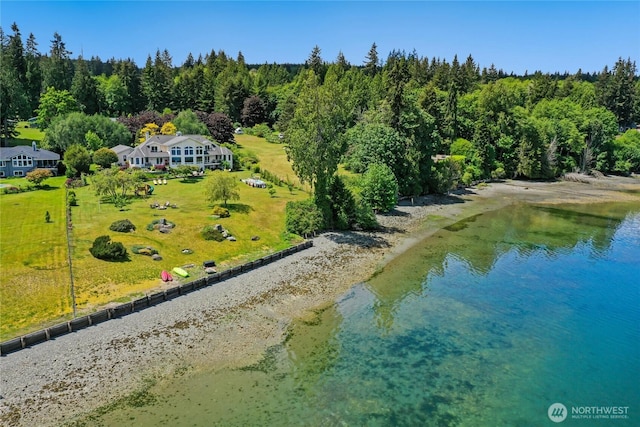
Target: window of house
(199, 151)
(154, 149)
(176, 151)
(176, 160)
(188, 151)
(2, 164)
(188, 159)
(22, 161)
(18, 173)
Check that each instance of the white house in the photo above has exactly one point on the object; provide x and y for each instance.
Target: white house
(175, 150)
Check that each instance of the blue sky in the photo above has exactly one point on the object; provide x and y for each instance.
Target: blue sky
(515, 36)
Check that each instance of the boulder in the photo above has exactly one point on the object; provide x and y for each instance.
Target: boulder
(231, 239)
(156, 257)
(255, 238)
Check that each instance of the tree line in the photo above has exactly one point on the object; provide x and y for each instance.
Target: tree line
(400, 112)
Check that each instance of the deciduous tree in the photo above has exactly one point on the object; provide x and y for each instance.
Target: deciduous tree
(188, 123)
(253, 112)
(105, 157)
(55, 103)
(220, 127)
(315, 141)
(221, 186)
(77, 160)
(380, 187)
(37, 176)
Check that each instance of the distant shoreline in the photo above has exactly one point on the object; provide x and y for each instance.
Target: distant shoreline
(232, 323)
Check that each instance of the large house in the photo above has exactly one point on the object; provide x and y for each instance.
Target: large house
(175, 150)
(18, 161)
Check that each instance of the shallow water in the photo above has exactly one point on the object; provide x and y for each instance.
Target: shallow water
(486, 323)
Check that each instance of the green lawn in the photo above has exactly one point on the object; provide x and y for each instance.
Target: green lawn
(35, 277)
(26, 135)
(272, 157)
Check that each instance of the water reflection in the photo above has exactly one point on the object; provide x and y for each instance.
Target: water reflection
(527, 229)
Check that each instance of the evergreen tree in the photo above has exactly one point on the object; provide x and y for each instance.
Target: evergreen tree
(372, 63)
(15, 55)
(341, 62)
(13, 98)
(157, 81)
(57, 67)
(33, 77)
(396, 77)
(623, 91)
(84, 88)
(315, 63)
(131, 80)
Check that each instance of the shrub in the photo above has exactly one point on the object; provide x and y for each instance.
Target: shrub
(210, 232)
(221, 212)
(122, 226)
(143, 250)
(261, 130)
(303, 218)
(365, 216)
(72, 199)
(498, 173)
(103, 248)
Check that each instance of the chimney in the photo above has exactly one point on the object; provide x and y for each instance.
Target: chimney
(34, 146)
(146, 136)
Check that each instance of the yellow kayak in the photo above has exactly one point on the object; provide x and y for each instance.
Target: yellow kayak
(180, 272)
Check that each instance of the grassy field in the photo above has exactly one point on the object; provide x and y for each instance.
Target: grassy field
(26, 135)
(35, 281)
(272, 157)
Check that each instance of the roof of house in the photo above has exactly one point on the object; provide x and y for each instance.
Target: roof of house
(171, 140)
(7, 153)
(121, 148)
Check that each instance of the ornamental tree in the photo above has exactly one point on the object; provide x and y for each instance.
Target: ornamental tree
(222, 186)
(37, 176)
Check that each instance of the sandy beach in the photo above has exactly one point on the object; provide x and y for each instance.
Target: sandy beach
(232, 323)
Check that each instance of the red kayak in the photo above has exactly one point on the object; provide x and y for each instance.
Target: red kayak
(166, 276)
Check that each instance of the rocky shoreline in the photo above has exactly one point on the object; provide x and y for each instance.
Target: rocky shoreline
(230, 324)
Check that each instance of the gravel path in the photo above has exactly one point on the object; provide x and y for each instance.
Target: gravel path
(232, 323)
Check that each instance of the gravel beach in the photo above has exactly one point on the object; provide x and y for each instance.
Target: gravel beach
(231, 323)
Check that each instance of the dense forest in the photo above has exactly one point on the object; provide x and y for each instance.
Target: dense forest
(434, 123)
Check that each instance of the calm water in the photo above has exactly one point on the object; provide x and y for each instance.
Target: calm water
(487, 323)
